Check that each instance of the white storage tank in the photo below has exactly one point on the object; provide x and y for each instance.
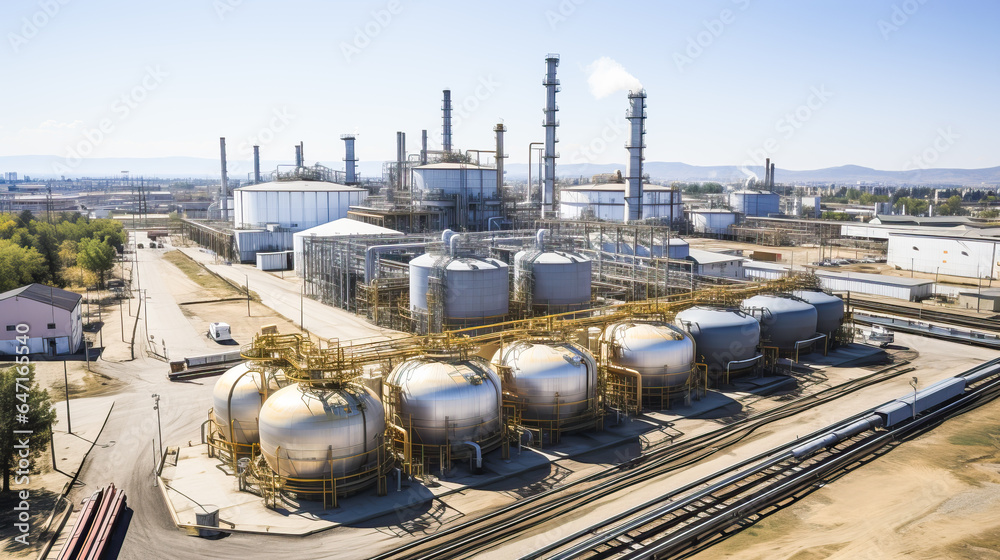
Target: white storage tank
(448, 400)
(474, 288)
(752, 203)
(310, 432)
(606, 201)
(662, 353)
(560, 278)
(784, 320)
(293, 205)
(236, 401)
(556, 380)
(829, 310)
(723, 337)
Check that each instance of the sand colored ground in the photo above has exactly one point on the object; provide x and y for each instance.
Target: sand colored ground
(937, 496)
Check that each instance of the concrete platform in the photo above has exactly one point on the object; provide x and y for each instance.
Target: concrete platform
(194, 482)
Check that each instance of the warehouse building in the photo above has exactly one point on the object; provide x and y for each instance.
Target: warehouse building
(970, 256)
(708, 263)
(50, 318)
(910, 289)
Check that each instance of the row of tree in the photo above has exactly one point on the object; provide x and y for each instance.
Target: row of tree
(72, 249)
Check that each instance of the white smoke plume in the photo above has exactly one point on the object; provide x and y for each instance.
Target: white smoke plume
(606, 76)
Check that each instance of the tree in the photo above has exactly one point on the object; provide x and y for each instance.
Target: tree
(96, 256)
(19, 266)
(20, 392)
(951, 207)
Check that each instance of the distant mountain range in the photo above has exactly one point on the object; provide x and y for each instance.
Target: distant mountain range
(46, 167)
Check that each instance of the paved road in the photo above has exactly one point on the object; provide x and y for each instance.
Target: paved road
(283, 296)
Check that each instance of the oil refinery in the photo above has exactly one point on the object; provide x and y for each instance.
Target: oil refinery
(432, 292)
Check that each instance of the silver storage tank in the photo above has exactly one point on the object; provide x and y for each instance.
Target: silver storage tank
(662, 353)
(473, 287)
(721, 336)
(309, 432)
(237, 396)
(557, 380)
(784, 320)
(829, 310)
(448, 400)
(556, 277)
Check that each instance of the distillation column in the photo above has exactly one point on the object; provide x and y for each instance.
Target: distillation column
(351, 165)
(550, 123)
(637, 141)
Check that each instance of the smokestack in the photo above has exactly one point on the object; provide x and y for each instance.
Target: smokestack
(500, 129)
(351, 165)
(423, 147)
(302, 154)
(771, 175)
(298, 155)
(256, 164)
(550, 123)
(767, 173)
(637, 141)
(400, 159)
(223, 204)
(446, 130)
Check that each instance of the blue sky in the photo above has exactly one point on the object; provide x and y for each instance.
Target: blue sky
(810, 84)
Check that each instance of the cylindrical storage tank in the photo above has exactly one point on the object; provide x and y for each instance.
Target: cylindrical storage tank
(783, 320)
(309, 432)
(662, 353)
(448, 401)
(473, 288)
(556, 380)
(556, 277)
(829, 310)
(722, 336)
(295, 205)
(237, 396)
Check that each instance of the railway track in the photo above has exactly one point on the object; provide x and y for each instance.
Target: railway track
(466, 539)
(979, 323)
(703, 513)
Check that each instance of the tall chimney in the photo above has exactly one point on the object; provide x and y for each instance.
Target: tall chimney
(500, 129)
(351, 165)
(423, 147)
(446, 129)
(637, 141)
(771, 175)
(224, 191)
(302, 154)
(767, 173)
(550, 123)
(400, 159)
(298, 155)
(256, 164)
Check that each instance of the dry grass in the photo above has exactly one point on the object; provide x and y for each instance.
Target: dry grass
(199, 275)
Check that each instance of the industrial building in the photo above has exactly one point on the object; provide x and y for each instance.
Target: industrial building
(970, 256)
(909, 289)
(606, 201)
(753, 203)
(52, 319)
(337, 228)
(708, 263)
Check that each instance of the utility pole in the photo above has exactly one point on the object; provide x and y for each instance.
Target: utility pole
(69, 422)
(302, 313)
(159, 431)
(913, 383)
(247, 277)
(145, 316)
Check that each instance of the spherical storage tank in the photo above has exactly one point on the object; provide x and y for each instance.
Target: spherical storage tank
(448, 400)
(237, 396)
(721, 336)
(557, 277)
(557, 380)
(784, 320)
(311, 432)
(829, 310)
(473, 287)
(662, 353)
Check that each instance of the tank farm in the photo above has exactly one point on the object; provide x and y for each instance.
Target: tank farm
(323, 419)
